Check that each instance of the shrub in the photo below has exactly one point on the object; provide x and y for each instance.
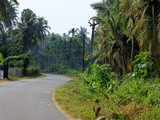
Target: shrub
(33, 71)
(143, 66)
(138, 91)
(102, 80)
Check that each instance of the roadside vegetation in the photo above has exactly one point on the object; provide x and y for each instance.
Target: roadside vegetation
(134, 96)
(123, 82)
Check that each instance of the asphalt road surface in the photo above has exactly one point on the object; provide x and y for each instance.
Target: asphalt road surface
(31, 99)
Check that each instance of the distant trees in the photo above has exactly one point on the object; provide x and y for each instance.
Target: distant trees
(65, 50)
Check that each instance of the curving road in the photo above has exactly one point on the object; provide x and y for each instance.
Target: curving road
(30, 99)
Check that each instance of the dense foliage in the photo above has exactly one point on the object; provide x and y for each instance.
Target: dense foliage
(126, 28)
(132, 97)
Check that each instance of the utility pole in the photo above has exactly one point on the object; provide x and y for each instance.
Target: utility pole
(93, 25)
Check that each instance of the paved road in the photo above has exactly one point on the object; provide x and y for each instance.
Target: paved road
(30, 99)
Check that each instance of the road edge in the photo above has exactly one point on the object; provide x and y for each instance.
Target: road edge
(60, 109)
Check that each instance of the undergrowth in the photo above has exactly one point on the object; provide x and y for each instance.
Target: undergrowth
(134, 97)
(132, 100)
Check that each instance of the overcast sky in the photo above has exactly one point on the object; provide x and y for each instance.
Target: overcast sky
(62, 15)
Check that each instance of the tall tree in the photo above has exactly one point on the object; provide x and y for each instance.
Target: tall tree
(112, 37)
(31, 30)
(83, 35)
(147, 26)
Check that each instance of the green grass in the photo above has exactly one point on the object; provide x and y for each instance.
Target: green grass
(76, 101)
(79, 104)
(73, 102)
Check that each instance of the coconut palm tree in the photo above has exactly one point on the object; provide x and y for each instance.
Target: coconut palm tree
(113, 33)
(83, 35)
(8, 12)
(30, 30)
(147, 29)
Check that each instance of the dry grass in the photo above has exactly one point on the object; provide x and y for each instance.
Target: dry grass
(3, 81)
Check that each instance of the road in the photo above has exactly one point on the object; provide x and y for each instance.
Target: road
(30, 99)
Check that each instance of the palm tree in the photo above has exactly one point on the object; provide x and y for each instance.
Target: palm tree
(83, 35)
(73, 31)
(147, 29)
(42, 28)
(113, 33)
(72, 44)
(129, 8)
(31, 30)
(8, 12)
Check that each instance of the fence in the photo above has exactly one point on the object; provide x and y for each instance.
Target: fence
(15, 72)
(1, 74)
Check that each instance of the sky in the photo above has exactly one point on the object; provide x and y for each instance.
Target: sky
(62, 15)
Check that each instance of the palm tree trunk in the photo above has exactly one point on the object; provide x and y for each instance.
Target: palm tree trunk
(116, 67)
(6, 68)
(132, 49)
(26, 62)
(132, 52)
(123, 62)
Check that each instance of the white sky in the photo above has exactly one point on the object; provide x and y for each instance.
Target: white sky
(62, 15)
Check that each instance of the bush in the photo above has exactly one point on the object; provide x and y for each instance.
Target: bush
(143, 66)
(102, 80)
(33, 71)
(138, 91)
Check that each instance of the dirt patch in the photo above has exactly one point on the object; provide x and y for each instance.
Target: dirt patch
(3, 81)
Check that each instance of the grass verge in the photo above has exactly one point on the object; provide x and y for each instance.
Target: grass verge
(72, 101)
(75, 101)
(21, 78)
